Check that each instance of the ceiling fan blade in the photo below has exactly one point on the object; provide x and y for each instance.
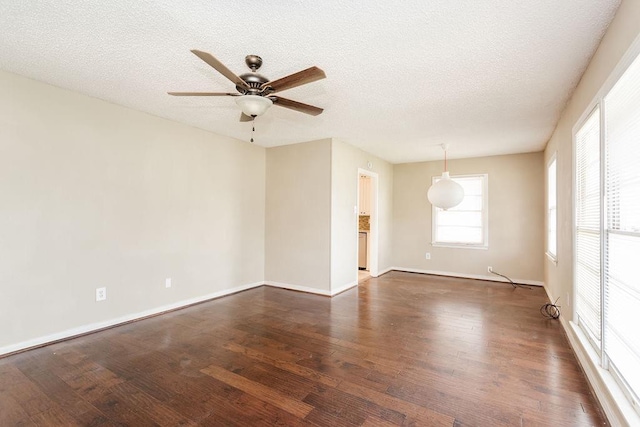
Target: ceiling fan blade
(296, 79)
(203, 94)
(245, 118)
(220, 67)
(297, 106)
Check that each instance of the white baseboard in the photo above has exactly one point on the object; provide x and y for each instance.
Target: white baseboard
(298, 288)
(492, 278)
(309, 290)
(92, 327)
(385, 271)
(346, 287)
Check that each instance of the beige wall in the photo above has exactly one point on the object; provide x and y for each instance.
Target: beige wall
(621, 33)
(298, 216)
(93, 194)
(516, 218)
(345, 161)
(311, 227)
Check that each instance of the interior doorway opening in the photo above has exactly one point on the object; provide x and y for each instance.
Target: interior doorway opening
(367, 225)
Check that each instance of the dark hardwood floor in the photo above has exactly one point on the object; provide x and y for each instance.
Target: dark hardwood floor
(403, 349)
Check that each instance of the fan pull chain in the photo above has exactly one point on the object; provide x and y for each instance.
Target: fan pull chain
(253, 127)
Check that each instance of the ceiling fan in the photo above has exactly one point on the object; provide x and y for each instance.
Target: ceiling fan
(256, 92)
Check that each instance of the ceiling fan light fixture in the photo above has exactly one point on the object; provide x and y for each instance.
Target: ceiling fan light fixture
(254, 105)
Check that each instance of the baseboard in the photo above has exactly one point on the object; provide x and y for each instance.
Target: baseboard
(344, 288)
(94, 327)
(385, 271)
(298, 288)
(492, 278)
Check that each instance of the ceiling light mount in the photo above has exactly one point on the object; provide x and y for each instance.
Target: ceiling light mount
(254, 62)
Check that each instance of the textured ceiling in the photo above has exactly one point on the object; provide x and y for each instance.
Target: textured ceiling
(486, 76)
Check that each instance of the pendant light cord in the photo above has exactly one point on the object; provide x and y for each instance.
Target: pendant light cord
(444, 148)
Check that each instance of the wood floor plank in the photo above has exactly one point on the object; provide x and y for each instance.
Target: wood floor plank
(259, 391)
(401, 349)
(12, 413)
(294, 368)
(421, 415)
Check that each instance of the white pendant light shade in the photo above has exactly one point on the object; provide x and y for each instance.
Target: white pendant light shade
(445, 193)
(253, 105)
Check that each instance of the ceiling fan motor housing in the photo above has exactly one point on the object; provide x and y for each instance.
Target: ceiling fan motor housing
(254, 81)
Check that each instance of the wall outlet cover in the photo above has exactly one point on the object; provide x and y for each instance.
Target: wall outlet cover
(167, 282)
(427, 255)
(101, 294)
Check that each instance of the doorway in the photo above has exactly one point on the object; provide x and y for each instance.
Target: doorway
(367, 225)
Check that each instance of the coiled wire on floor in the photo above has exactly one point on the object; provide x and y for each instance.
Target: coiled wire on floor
(552, 311)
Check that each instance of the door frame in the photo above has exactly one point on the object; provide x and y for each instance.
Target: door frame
(372, 238)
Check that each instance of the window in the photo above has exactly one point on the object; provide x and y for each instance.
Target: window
(466, 224)
(587, 266)
(622, 227)
(552, 201)
(608, 229)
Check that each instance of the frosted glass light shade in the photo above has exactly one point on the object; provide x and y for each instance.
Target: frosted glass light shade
(253, 105)
(446, 193)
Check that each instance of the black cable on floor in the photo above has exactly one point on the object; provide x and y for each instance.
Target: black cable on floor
(515, 285)
(552, 311)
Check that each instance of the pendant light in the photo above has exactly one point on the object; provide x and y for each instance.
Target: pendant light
(445, 193)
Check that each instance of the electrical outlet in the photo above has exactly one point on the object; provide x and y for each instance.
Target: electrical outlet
(101, 294)
(427, 255)
(489, 269)
(167, 282)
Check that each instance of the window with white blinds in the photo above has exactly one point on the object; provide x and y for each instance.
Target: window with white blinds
(587, 235)
(552, 215)
(607, 229)
(466, 224)
(622, 228)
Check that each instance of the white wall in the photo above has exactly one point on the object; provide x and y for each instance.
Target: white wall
(311, 228)
(516, 218)
(298, 216)
(345, 161)
(93, 194)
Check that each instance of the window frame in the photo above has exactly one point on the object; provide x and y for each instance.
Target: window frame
(594, 341)
(553, 255)
(607, 372)
(484, 245)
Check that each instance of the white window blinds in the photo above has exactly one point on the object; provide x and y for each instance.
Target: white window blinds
(587, 267)
(552, 221)
(622, 243)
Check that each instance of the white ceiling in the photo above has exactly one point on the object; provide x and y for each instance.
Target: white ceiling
(486, 76)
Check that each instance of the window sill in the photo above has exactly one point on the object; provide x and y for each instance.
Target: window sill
(611, 396)
(552, 258)
(459, 246)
